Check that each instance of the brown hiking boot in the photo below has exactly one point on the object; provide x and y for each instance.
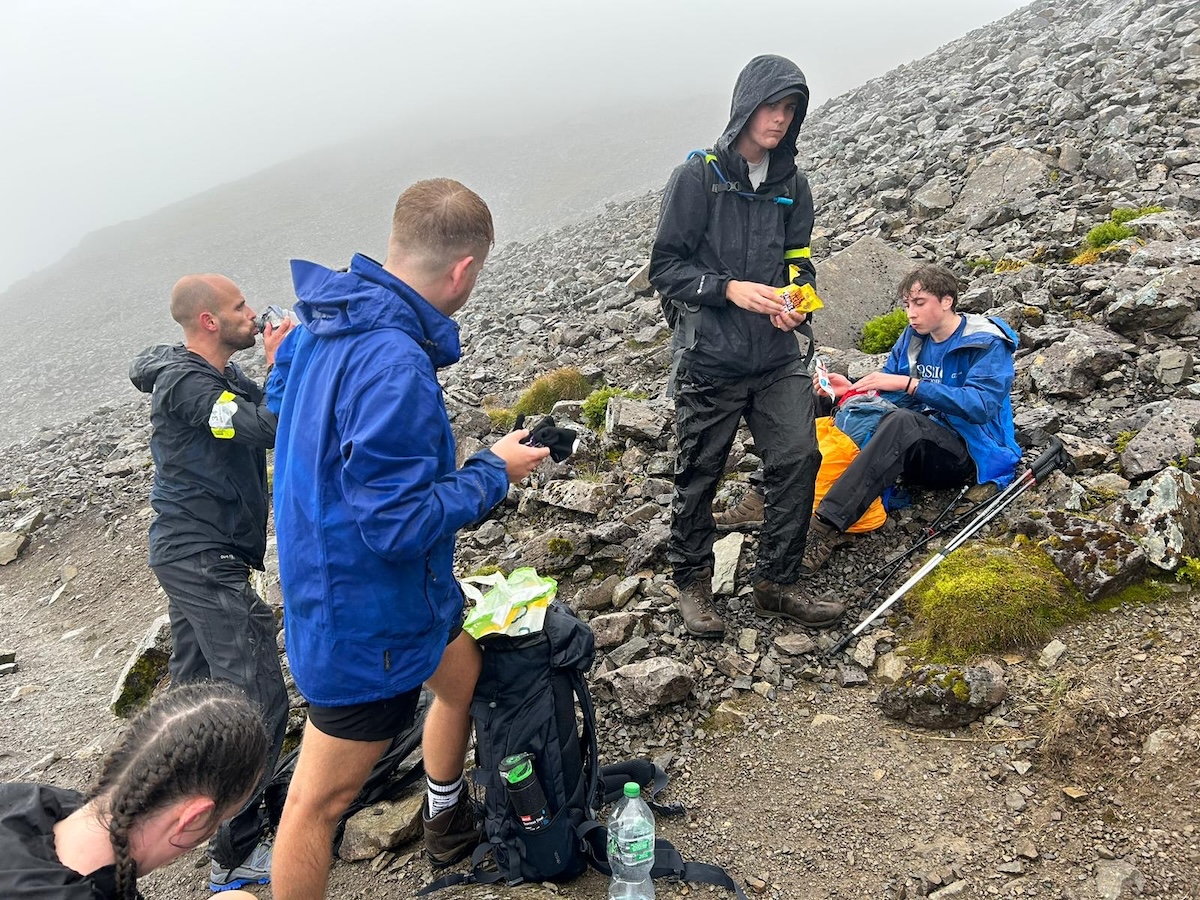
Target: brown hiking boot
(823, 539)
(746, 515)
(696, 607)
(453, 833)
(775, 600)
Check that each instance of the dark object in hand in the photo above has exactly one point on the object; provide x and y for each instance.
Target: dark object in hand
(272, 315)
(561, 441)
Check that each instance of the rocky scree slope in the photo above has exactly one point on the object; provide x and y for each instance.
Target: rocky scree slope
(994, 156)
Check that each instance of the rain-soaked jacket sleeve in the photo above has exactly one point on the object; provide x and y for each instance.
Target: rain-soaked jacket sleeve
(202, 400)
(797, 249)
(682, 221)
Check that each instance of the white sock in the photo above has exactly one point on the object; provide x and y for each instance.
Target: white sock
(443, 796)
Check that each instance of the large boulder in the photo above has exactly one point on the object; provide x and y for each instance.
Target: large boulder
(857, 284)
(1071, 369)
(1168, 437)
(1007, 177)
(1164, 514)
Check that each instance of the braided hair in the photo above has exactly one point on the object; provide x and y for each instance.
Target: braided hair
(199, 740)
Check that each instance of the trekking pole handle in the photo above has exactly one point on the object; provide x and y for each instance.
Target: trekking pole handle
(1053, 457)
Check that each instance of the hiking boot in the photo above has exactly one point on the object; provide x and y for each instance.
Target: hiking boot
(453, 833)
(696, 607)
(746, 515)
(254, 869)
(823, 539)
(775, 600)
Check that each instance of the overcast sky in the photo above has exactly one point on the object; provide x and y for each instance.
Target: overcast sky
(111, 110)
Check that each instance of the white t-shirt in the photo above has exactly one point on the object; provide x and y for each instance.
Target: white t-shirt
(758, 171)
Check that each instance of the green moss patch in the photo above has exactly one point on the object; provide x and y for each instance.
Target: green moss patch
(986, 598)
(880, 333)
(595, 405)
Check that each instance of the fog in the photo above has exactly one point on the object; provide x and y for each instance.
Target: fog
(113, 110)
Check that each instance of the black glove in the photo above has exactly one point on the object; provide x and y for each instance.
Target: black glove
(561, 441)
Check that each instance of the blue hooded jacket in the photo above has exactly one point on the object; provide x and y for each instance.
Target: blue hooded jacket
(973, 397)
(367, 496)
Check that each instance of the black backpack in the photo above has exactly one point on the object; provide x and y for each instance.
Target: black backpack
(532, 697)
(400, 767)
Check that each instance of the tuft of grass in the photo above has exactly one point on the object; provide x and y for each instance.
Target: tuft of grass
(880, 333)
(566, 383)
(987, 598)
(1189, 572)
(1086, 257)
(501, 417)
(1010, 265)
(1121, 216)
(1108, 233)
(595, 405)
(1123, 440)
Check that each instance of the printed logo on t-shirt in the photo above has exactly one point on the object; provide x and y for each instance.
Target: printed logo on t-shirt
(929, 373)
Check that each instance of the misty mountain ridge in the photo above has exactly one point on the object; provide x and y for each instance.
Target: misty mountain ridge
(72, 328)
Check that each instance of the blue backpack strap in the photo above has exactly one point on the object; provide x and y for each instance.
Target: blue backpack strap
(722, 184)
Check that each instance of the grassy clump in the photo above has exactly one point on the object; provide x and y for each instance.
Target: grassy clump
(1121, 216)
(1189, 572)
(987, 599)
(1123, 440)
(880, 333)
(1108, 233)
(562, 384)
(596, 404)
(1010, 265)
(539, 398)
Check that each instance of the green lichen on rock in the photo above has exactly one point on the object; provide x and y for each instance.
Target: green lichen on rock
(560, 546)
(140, 681)
(987, 598)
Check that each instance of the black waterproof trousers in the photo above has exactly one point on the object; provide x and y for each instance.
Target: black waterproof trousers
(905, 443)
(778, 408)
(221, 630)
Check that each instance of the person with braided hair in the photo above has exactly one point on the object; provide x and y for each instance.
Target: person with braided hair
(189, 761)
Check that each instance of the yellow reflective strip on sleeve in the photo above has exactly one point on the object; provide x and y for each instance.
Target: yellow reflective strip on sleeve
(220, 420)
(799, 253)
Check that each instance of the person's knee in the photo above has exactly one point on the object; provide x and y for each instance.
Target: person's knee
(453, 683)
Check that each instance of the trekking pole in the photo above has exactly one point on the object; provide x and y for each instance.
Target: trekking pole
(889, 567)
(1053, 457)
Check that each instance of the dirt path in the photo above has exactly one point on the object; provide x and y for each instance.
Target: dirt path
(815, 796)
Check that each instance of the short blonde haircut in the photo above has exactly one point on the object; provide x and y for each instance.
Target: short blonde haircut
(438, 222)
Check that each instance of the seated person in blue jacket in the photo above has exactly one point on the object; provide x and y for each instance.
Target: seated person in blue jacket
(189, 761)
(949, 373)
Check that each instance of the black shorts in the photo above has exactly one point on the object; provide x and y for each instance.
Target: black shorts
(375, 720)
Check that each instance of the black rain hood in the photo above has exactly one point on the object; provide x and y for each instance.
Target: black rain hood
(762, 78)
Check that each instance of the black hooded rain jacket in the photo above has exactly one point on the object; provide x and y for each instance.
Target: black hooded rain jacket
(706, 239)
(211, 433)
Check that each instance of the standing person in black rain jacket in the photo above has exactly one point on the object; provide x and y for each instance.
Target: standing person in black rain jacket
(212, 430)
(724, 244)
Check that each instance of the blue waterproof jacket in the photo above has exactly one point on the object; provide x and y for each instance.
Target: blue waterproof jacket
(973, 396)
(367, 497)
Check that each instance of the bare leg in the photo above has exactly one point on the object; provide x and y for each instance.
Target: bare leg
(448, 722)
(329, 774)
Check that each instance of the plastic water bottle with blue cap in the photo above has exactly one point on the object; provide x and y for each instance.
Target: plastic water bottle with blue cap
(631, 847)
